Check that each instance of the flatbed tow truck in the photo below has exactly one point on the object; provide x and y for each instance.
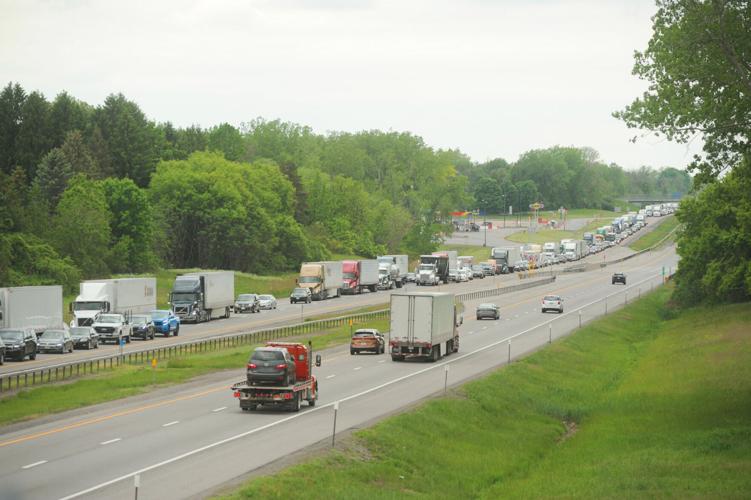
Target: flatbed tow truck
(286, 396)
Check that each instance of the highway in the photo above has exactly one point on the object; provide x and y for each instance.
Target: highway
(189, 440)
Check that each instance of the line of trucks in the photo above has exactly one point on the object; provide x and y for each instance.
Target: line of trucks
(280, 374)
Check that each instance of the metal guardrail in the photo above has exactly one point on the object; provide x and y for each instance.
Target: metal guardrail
(56, 373)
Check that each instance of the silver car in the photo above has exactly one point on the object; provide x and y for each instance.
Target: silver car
(552, 303)
(267, 301)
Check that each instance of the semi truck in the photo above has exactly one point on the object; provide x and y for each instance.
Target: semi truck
(574, 249)
(289, 396)
(324, 279)
(359, 275)
(126, 296)
(452, 256)
(506, 257)
(37, 307)
(433, 270)
(423, 325)
(203, 296)
(399, 267)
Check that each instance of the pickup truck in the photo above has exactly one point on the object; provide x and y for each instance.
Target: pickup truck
(302, 385)
(112, 327)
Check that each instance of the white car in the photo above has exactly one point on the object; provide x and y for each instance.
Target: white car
(267, 301)
(552, 303)
(462, 275)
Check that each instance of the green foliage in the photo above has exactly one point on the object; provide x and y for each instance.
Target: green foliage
(227, 139)
(714, 242)
(81, 228)
(11, 104)
(697, 65)
(52, 176)
(27, 260)
(34, 137)
(78, 155)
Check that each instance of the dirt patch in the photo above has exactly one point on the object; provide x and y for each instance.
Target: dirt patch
(571, 429)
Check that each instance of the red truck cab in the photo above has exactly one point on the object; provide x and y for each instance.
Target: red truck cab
(350, 275)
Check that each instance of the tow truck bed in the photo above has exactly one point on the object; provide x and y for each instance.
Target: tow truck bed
(251, 396)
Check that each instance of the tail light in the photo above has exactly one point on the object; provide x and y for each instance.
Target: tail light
(237, 394)
(252, 366)
(281, 366)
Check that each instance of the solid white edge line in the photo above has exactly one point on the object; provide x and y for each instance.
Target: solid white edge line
(322, 407)
(171, 423)
(103, 443)
(34, 464)
(215, 410)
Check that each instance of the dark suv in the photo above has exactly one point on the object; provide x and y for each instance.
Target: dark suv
(271, 365)
(619, 278)
(19, 343)
(2, 352)
(300, 295)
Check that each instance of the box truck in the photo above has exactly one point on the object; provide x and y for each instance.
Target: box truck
(37, 307)
(423, 325)
(203, 296)
(126, 296)
(506, 257)
(324, 279)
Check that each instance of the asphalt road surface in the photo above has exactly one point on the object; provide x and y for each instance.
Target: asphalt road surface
(187, 441)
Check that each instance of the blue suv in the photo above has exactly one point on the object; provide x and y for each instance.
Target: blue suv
(165, 322)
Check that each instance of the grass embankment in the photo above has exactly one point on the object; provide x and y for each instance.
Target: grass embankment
(480, 254)
(635, 405)
(555, 235)
(654, 236)
(130, 380)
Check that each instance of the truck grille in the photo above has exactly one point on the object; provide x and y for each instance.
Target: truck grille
(104, 329)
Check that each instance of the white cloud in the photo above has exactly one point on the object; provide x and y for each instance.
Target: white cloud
(493, 79)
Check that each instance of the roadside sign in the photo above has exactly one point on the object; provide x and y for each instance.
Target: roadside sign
(153, 362)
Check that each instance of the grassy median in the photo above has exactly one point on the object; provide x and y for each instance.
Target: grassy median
(651, 238)
(645, 403)
(130, 380)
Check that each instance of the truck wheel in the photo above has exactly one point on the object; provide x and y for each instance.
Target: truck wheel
(296, 402)
(351, 352)
(2, 359)
(32, 356)
(177, 331)
(226, 312)
(399, 284)
(397, 358)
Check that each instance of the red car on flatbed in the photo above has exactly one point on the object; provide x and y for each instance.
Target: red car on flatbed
(305, 387)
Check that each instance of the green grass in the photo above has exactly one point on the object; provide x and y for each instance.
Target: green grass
(129, 380)
(653, 237)
(481, 254)
(556, 235)
(646, 403)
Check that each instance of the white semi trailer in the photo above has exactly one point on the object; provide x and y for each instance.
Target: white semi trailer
(37, 307)
(423, 325)
(124, 296)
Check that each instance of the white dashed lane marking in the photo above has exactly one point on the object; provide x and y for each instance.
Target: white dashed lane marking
(171, 423)
(34, 464)
(330, 376)
(103, 443)
(216, 410)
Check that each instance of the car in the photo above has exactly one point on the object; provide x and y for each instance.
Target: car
(2, 352)
(478, 271)
(487, 269)
(367, 339)
(453, 275)
(521, 265)
(19, 343)
(491, 311)
(247, 302)
(84, 337)
(462, 275)
(271, 365)
(410, 278)
(55, 340)
(267, 301)
(112, 327)
(165, 322)
(619, 278)
(552, 303)
(143, 326)
(300, 295)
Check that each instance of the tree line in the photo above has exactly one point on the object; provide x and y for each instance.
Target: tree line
(90, 190)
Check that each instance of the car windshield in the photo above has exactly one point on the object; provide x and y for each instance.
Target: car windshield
(159, 314)
(246, 297)
(301, 291)
(11, 334)
(476, 268)
(108, 318)
(266, 297)
(80, 332)
(140, 320)
(426, 267)
(52, 334)
(486, 306)
(552, 297)
(267, 356)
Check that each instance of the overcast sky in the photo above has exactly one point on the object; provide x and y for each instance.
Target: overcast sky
(491, 78)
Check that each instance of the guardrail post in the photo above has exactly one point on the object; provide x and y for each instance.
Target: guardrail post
(509, 351)
(550, 333)
(625, 299)
(580, 318)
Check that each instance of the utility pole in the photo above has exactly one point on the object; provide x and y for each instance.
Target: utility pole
(485, 229)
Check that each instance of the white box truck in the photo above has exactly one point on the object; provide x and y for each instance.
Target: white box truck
(506, 257)
(423, 325)
(203, 296)
(37, 307)
(323, 278)
(124, 296)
